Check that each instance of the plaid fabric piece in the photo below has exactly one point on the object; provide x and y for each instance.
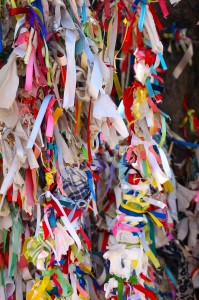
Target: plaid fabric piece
(76, 186)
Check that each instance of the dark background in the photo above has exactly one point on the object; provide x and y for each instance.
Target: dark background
(186, 15)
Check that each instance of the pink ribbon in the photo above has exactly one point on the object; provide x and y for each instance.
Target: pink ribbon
(163, 8)
(197, 197)
(118, 225)
(50, 120)
(22, 38)
(29, 71)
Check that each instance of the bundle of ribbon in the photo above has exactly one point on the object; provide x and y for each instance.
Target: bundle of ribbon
(55, 102)
(181, 39)
(56, 115)
(190, 118)
(144, 170)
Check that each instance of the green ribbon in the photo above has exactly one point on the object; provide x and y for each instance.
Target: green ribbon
(2, 276)
(132, 279)
(152, 235)
(17, 230)
(145, 169)
(67, 288)
(120, 288)
(85, 152)
(86, 31)
(13, 264)
(164, 131)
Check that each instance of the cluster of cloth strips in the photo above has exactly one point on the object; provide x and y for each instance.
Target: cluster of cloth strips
(87, 195)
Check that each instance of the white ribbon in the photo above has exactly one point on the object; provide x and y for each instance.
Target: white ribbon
(67, 225)
(184, 61)
(156, 170)
(62, 240)
(70, 85)
(149, 23)
(9, 178)
(73, 283)
(174, 1)
(38, 121)
(95, 83)
(139, 187)
(154, 202)
(9, 82)
(18, 25)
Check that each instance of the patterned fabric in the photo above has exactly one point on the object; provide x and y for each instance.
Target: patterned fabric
(76, 186)
(176, 261)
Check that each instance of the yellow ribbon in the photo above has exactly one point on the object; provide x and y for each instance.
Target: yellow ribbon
(158, 223)
(140, 98)
(57, 113)
(153, 259)
(17, 17)
(117, 85)
(139, 211)
(38, 289)
(49, 178)
(168, 188)
(136, 201)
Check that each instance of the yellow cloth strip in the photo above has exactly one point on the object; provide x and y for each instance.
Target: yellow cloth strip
(158, 223)
(57, 113)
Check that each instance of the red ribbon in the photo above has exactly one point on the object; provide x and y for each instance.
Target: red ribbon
(45, 230)
(149, 294)
(18, 11)
(155, 17)
(129, 37)
(107, 8)
(86, 239)
(56, 282)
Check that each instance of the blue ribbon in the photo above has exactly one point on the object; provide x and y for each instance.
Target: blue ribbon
(162, 61)
(79, 47)
(158, 88)
(33, 15)
(136, 3)
(52, 219)
(1, 45)
(61, 262)
(169, 273)
(150, 288)
(135, 214)
(53, 147)
(90, 183)
(79, 271)
(38, 4)
(149, 87)
(166, 295)
(159, 215)
(142, 15)
(84, 16)
(182, 143)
